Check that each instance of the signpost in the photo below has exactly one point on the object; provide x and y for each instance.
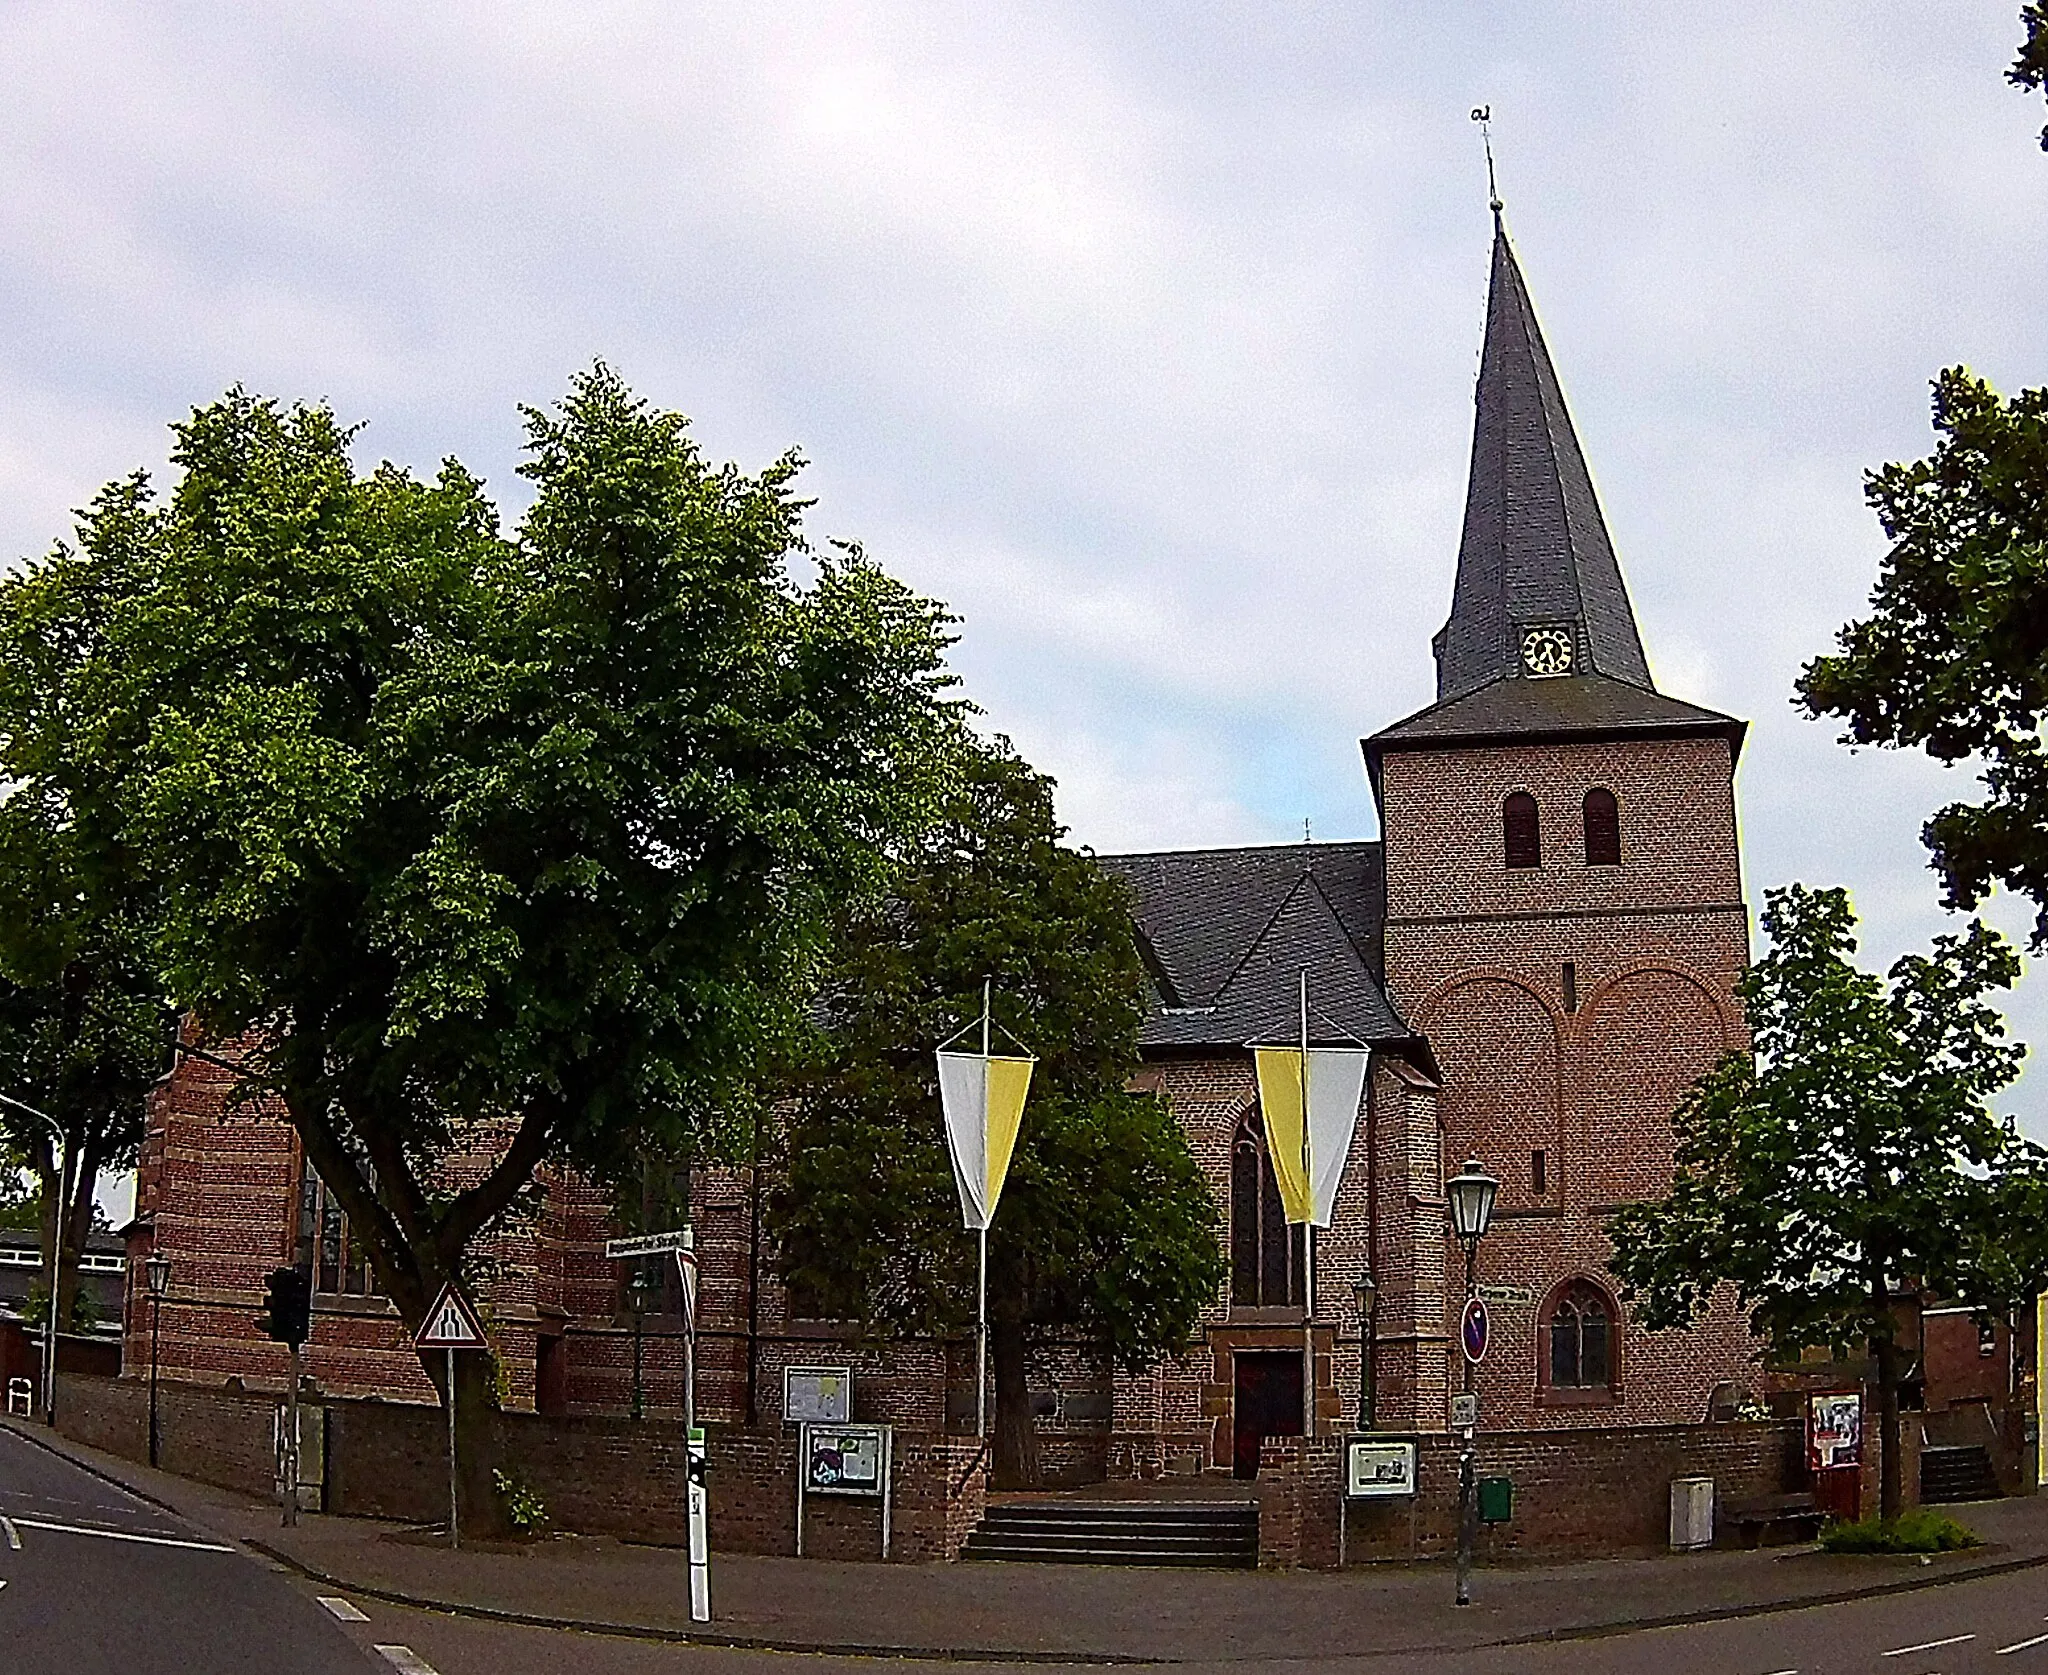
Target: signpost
(452, 1324)
(681, 1243)
(845, 1460)
(1375, 1468)
(1476, 1330)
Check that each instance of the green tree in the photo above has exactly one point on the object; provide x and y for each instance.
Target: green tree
(1953, 657)
(2030, 69)
(488, 850)
(1851, 1158)
(1106, 1230)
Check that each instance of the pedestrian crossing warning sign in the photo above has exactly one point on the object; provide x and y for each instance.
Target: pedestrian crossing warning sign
(452, 1322)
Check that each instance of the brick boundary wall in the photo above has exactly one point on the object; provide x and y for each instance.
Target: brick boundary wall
(1590, 1493)
(616, 1477)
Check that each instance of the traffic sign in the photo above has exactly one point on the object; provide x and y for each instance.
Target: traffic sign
(1476, 1329)
(686, 1271)
(452, 1323)
(647, 1244)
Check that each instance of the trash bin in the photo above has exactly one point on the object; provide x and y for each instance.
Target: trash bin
(1692, 1514)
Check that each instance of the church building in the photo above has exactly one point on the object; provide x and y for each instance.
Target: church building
(1540, 951)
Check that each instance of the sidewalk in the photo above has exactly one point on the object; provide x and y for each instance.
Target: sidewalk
(1003, 1612)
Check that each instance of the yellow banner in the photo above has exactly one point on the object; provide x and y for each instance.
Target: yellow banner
(1009, 1079)
(1280, 1103)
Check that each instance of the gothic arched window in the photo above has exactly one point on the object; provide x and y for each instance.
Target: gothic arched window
(1521, 830)
(1580, 1339)
(1266, 1266)
(1603, 828)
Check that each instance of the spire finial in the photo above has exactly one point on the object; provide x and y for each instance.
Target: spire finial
(1483, 115)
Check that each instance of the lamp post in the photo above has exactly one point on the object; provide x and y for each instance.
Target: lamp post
(639, 1290)
(1470, 1192)
(156, 1269)
(1367, 1292)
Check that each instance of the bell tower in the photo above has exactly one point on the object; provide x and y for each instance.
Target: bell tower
(1564, 912)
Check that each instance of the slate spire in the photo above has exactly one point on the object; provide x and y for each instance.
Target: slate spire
(1535, 559)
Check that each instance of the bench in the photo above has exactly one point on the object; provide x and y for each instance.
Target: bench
(1760, 1516)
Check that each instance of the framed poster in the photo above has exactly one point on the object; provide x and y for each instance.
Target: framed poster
(845, 1459)
(1834, 1429)
(817, 1395)
(1375, 1469)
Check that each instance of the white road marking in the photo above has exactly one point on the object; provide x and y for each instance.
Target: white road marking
(123, 1535)
(406, 1659)
(13, 1534)
(1927, 1645)
(340, 1607)
(2020, 1645)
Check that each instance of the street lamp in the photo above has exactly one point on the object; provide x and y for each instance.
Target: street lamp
(640, 1291)
(156, 1269)
(1471, 1193)
(1367, 1291)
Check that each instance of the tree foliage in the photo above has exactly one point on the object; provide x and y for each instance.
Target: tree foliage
(1853, 1155)
(1953, 657)
(492, 849)
(1106, 1229)
(2030, 69)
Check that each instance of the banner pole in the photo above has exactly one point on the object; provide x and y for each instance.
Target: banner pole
(981, 1270)
(1308, 1241)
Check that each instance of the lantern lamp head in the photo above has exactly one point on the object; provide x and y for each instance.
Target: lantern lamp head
(156, 1269)
(1471, 1193)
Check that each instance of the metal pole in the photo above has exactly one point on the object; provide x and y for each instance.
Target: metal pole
(1368, 1370)
(67, 1160)
(981, 1339)
(291, 1446)
(981, 1269)
(156, 1326)
(1308, 1243)
(689, 1343)
(454, 1499)
(1468, 1507)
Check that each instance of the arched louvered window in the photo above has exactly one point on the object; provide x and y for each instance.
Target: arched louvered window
(1581, 1339)
(1603, 828)
(1266, 1255)
(1522, 830)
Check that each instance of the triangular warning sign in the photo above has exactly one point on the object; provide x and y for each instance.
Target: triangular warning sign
(451, 1323)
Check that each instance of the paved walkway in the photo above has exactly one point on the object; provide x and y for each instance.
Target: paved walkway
(1004, 1612)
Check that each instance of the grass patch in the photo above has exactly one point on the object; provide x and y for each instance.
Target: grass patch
(1918, 1531)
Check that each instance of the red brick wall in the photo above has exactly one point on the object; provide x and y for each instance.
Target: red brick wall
(1589, 1492)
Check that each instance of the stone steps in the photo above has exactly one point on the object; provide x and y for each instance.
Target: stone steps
(1218, 1535)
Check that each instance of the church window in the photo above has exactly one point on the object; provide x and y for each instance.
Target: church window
(1539, 1173)
(1523, 831)
(1580, 1338)
(1568, 981)
(1603, 828)
(1266, 1254)
(341, 1267)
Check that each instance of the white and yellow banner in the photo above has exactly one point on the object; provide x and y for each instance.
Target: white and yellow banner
(983, 1097)
(1308, 1161)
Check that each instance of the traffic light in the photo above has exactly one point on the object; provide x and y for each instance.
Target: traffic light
(288, 1306)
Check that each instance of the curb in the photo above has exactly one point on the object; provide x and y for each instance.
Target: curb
(653, 1633)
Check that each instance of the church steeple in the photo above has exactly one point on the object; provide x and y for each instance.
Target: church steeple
(1538, 591)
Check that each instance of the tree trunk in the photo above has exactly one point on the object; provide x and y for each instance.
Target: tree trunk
(1014, 1459)
(1884, 1350)
(77, 1227)
(476, 1439)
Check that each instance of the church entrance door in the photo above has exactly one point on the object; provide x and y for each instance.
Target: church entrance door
(1267, 1404)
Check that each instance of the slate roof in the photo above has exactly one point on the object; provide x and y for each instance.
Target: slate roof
(1531, 711)
(1535, 548)
(1225, 933)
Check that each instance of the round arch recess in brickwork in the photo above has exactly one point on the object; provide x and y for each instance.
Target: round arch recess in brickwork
(1609, 1088)
(1431, 1017)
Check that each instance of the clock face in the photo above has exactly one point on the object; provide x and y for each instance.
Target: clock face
(1547, 651)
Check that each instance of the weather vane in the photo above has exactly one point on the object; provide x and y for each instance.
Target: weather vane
(1483, 115)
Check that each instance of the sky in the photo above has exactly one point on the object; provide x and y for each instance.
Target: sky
(1143, 335)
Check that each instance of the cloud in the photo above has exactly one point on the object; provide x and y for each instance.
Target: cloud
(1144, 336)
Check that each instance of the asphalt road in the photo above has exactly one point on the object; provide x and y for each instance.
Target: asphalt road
(94, 1581)
(103, 1583)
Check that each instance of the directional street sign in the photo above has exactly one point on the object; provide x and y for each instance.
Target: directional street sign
(686, 1271)
(1476, 1329)
(452, 1323)
(647, 1244)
